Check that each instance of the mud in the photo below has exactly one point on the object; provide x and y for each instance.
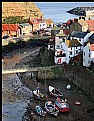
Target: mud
(84, 112)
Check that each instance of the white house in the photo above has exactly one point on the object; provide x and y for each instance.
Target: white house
(60, 37)
(88, 54)
(79, 36)
(61, 54)
(67, 50)
(42, 24)
(74, 47)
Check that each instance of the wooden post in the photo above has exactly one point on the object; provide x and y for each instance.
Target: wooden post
(31, 76)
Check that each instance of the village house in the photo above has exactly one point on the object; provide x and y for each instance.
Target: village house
(79, 36)
(51, 44)
(55, 31)
(74, 25)
(59, 38)
(66, 51)
(88, 52)
(90, 25)
(77, 24)
(37, 24)
(26, 28)
(49, 23)
(61, 54)
(84, 25)
(12, 30)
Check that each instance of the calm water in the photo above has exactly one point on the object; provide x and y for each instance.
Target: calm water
(57, 10)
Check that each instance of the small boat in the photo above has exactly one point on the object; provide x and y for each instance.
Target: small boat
(38, 94)
(55, 92)
(77, 103)
(40, 111)
(51, 109)
(62, 105)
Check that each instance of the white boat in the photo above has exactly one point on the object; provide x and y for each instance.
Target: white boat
(51, 109)
(55, 92)
(38, 94)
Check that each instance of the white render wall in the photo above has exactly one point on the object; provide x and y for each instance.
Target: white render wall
(57, 41)
(42, 26)
(86, 58)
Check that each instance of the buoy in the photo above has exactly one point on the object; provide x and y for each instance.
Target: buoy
(68, 86)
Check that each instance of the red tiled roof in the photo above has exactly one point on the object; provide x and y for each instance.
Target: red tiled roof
(10, 27)
(69, 21)
(91, 24)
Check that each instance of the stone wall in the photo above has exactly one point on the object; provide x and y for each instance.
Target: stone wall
(81, 77)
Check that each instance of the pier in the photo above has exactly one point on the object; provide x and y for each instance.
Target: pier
(83, 11)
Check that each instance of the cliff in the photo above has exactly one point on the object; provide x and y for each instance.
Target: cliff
(24, 9)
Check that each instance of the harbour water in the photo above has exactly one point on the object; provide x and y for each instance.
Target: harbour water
(57, 10)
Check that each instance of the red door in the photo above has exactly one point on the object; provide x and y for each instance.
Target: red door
(59, 61)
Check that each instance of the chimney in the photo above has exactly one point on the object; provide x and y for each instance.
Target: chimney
(80, 17)
(71, 21)
(75, 20)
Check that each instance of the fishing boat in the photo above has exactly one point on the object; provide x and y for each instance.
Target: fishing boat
(51, 109)
(38, 94)
(55, 92)
(62, 105)
(40, 111)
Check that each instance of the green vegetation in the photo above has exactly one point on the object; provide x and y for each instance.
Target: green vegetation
(14, 20)
(46, 57)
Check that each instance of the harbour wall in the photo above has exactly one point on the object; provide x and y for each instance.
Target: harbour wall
(83, 11)
(79, 76)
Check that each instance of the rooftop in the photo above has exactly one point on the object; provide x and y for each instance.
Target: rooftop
(78, 34)
(73, 43)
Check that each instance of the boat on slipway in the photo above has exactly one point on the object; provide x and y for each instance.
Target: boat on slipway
(38, 94)
(51, 109)
(62, 105)
(55, 92)
(40, 111)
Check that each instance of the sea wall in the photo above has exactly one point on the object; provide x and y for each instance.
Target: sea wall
(83, 11)
(80, 76)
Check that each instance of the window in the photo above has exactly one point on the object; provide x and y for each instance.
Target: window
(76, 52)
(64, 55)
(84, 53)
(71, 53)
(89, 61)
